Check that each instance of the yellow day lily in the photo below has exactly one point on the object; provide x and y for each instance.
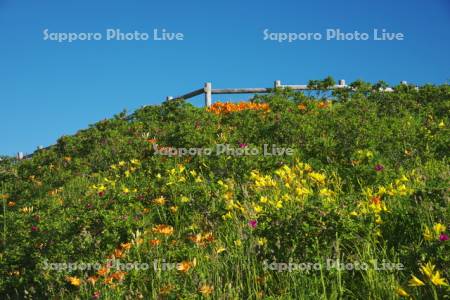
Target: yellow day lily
(263, 199)
(427, 234)
(74, 281)
(159, 201)
(279, 204)
(206, 289)
(381, 191)
(257, 208)
(262, 241)
(436, 279)
(101, 188)
(325, 192)
(26, 209)
(228, 196)
(427, 269)
(403, 190)
(228, 215)
(439, 228)
(378, 219)
(414, 281)
(302, 191)
(319, 178)
(401, 292)
(181, 168)
(286, 197)
(306, 167)
(222, 184)
(231, 205)
(220, 250)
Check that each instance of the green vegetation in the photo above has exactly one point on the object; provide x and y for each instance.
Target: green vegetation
(368, 183)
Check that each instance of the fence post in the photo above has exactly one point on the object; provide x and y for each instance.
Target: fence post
(277, 84)
(342, 82)
(208, 96)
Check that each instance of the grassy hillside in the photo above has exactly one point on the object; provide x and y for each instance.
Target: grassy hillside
(367, 184)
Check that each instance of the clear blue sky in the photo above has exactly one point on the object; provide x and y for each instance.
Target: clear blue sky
(49, 89)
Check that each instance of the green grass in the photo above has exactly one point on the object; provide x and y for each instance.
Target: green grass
(368, 178)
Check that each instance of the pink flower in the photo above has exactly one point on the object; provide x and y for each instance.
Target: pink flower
(379, 168)
(96, 295)
(443, 237)
(242, 145)
(252, 223)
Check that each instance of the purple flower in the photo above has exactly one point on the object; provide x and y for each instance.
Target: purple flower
(242, 145)
(379, 168)
(443, 237)
(252, 223)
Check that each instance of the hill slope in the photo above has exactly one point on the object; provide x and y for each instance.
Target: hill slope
(367, 183)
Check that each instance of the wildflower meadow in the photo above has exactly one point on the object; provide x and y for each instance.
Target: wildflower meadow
(316, 195)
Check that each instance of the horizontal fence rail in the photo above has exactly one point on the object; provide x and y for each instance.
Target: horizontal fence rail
(208, 91)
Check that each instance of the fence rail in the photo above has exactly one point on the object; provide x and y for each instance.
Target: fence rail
(208, 91)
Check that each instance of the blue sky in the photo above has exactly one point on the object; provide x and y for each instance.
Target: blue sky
(49, 89)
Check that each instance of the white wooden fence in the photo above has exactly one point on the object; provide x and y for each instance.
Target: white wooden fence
(208, 91)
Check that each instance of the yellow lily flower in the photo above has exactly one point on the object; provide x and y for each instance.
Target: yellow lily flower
(414, 281)
(427, 269)
(439, 228)
(427, 234)
(401, 292)
(436, 279)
